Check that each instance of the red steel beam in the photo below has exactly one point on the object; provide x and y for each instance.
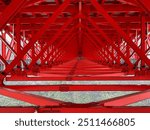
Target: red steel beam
(4, 61)
(17, 109)
(130, 2)
(87, 8)
(133, 26)
(18, 38)
(30, 98)
(79, 87)
(32, 2)
(129, 99)
(3, 49)
(95, 110)
(98, 20)
(58, 2)
(75, 110)
(3, 45)
(143, 37)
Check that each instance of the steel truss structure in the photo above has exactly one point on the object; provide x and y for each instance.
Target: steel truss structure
(75, 40)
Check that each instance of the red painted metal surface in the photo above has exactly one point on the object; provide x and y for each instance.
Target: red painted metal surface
(75, 40)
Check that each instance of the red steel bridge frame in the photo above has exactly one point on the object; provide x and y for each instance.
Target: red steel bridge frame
(83, 40)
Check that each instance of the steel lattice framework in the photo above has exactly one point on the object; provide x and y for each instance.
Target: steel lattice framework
(75, 40)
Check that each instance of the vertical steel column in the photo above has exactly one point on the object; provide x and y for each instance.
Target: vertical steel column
(24, 44)
(143, 37)
(80, 29)
(18, 39)
(119, 57)
(43, 56)
(33, 48)
(127, 46)
(3, 45)
(52, 56)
